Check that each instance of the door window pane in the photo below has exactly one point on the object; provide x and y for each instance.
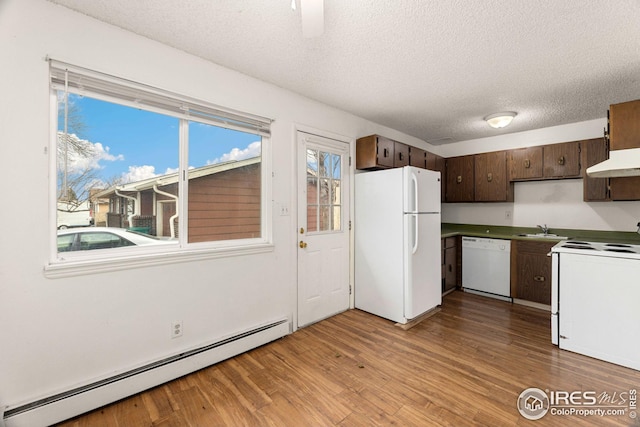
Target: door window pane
(323, 191)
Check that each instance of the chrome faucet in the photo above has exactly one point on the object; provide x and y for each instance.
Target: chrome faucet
(544, 228)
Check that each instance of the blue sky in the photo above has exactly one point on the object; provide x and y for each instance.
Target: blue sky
(138, 143)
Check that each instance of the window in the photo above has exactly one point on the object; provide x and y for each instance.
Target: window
(137, 158)
(323, 191)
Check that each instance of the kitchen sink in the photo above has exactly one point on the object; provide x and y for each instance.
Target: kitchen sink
(543, 236)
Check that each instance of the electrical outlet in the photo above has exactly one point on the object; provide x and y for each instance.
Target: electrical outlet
(507, 214)
(176, 329)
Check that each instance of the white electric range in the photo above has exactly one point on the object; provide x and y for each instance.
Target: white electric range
(595, 300)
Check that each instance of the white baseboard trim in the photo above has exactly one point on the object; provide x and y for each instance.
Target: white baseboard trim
(63, 406)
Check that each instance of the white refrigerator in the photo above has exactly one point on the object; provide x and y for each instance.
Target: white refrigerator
(397, 242)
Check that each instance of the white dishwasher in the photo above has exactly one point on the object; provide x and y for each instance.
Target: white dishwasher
(486, 267)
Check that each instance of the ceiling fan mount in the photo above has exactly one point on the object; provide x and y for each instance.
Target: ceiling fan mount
(312, 12)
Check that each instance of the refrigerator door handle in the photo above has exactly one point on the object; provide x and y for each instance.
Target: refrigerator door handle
(414, 249)
(414, 180)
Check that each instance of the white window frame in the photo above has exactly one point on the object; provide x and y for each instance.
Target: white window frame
(187, 110)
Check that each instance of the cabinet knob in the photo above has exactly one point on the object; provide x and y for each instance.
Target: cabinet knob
(489, 177)
(539, 278)
(527, 163)
(561, 160)
(459, 179)
(400, 156)
(385, 152)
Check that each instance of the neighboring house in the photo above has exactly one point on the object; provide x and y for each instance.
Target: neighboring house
(224, 202)
(100, 207)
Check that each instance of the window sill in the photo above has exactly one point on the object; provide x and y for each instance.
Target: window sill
(79, 267)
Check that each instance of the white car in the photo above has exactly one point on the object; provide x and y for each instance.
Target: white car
(84, 239)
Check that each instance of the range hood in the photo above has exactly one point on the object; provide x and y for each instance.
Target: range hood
(621, 163)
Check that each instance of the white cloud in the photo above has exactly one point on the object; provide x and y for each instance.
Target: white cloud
(138, 173)
(90, 158)
(252, 150)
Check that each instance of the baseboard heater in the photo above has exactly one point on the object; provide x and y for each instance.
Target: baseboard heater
(82, 399)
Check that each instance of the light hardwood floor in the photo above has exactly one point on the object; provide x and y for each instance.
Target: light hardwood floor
(464, 366)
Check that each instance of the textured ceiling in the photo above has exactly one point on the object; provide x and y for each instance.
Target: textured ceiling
(429, 68)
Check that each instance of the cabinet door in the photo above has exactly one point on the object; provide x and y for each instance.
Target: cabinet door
(624, 121)
(385, 151)
(460, 179)
(561, 160)
(417, 157)
(491, 184)
(437, 163)
(401, 155)
(594, 151)
(525, 163)
(534, 278)
(531, 270)
(450, 278)
(624, 125)
(627, 188)
(374, 152)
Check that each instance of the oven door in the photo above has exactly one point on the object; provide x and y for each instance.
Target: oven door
(598, 307)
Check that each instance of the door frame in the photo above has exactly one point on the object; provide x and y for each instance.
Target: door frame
(297, 127)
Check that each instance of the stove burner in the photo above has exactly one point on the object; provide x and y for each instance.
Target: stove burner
(571, 246)
(622, 251)
(617, 245)
(576, 242)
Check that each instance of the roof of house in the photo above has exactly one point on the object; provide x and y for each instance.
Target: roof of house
(172, 178)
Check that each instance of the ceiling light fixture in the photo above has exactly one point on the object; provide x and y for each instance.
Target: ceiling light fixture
(500, 120)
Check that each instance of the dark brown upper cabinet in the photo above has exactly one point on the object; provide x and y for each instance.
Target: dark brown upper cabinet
(377, 152)
(561, 160)
(525, 163)
(438, 163)
(624, 125)
(401, 154)
(554, 161)
(417, 157)
(624, 133)
(374, 152)
(593, 152)
(491, 183)
(460, 179)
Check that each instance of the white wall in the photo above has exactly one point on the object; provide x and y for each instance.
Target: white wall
(556, 203)
(62, 333)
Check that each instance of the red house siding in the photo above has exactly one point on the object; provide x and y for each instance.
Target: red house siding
(225, 205)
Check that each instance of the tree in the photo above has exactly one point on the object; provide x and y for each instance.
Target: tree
(75, 173)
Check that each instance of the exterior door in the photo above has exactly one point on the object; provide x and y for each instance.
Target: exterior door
(323, 228)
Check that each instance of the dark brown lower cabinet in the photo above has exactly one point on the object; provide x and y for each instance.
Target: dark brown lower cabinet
(449, 263)
(531, 271)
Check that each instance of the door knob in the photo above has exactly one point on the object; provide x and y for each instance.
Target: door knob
(302, 244)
